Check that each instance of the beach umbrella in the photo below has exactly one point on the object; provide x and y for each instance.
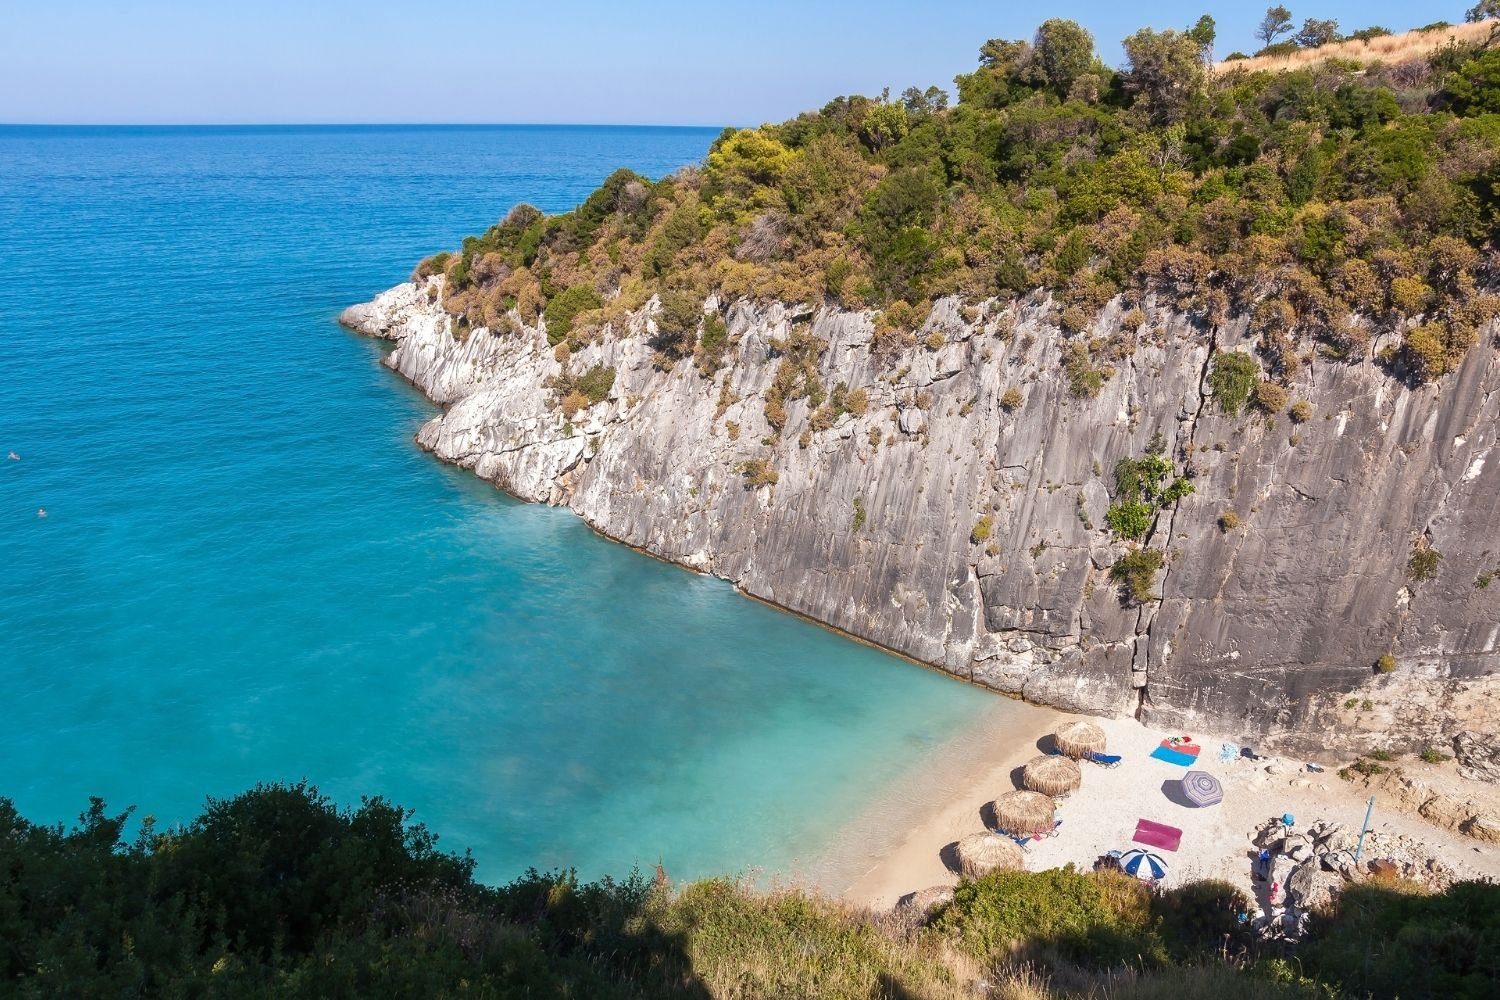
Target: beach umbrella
(1143, 864)
(1023, 814)
(1050, 775)
(982, 853)
(1202, 789)
(1078, 739)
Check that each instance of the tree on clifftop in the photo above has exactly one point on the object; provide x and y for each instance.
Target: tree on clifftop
(884, 125)
(1205, 32)
(1064, 52)
(1164, 71)
(1277, 22)
(1317, 33)
(996, 83)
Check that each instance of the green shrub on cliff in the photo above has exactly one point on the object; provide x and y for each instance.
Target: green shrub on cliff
(713, 344)
(563, 308)
(1233, 378)
(1423, 564)
(1085, 378)
(572, 393)
(1270, 397)
(1129, 518)
(677, 324)
(596, 382)
(1135, 572)
(757, 472)
(436, 264)
(1143, 486)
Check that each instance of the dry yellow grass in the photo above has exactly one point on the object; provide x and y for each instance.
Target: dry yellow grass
(1390, 49)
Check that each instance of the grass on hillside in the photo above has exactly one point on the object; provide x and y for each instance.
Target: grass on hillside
(1415, 44)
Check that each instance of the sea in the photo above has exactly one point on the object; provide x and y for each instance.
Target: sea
(247, 572)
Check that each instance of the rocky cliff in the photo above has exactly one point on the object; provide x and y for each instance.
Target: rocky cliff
(960, 519)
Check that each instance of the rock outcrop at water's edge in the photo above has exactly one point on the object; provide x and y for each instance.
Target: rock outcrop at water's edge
(1271, 628)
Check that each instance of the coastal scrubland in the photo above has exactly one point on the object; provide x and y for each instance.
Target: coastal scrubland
(279, 891)
(1364, 45)
(1330, 202)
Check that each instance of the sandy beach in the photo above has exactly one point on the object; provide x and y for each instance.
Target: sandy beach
(1102, 814)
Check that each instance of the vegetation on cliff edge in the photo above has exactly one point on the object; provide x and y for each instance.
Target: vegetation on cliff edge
(1327, 204)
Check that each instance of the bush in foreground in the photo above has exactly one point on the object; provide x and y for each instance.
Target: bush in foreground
(1097, 919)
(280, 892)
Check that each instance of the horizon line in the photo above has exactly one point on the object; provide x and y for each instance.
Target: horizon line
(361, 125)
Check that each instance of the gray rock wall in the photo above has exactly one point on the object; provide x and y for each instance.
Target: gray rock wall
(1264, 631)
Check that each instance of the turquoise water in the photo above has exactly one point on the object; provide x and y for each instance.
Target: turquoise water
(248, 572)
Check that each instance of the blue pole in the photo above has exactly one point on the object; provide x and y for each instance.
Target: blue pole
(1369, 808)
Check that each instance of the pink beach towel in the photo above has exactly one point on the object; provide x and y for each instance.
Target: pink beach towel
(1167, 838)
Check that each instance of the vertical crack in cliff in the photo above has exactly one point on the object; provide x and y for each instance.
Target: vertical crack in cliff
(1186, 448)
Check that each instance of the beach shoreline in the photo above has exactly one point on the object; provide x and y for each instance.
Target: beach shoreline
(973, 770)
(1101, 816)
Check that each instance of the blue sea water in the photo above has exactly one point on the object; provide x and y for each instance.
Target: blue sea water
(248, 572)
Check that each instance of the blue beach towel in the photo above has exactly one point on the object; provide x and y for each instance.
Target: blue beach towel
(1174, 756)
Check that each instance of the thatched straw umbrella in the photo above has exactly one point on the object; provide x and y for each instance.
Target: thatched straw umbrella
(1077, 739)
(982, 853)
(1024, 814)
(1054, 776)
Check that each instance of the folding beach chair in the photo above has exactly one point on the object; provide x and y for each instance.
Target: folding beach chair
(1024, 843)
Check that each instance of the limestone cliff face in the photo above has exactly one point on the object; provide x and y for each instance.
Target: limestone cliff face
(1265, 630)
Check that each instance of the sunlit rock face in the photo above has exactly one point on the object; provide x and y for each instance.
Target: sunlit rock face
(1264, 624)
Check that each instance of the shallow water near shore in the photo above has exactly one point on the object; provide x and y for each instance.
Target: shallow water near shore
(248, 572)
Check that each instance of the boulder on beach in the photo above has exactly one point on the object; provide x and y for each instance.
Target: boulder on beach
(924, 901)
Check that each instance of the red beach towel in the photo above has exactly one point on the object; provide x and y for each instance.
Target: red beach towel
(1167, 838)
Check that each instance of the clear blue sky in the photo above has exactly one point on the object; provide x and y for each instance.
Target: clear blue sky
(667, 62)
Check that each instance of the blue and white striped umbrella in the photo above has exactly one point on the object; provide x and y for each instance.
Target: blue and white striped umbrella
(1143, 864)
